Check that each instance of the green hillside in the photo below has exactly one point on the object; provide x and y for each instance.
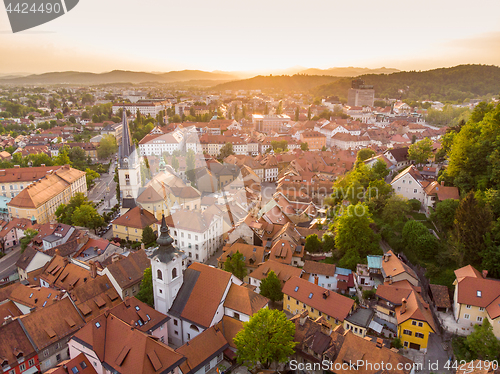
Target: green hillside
(300, 83)
(445, 84)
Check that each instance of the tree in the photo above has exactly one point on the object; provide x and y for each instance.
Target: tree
(29, 234)
(77, 157)
(444, 214)
(87, 216)
(268, 337)
(328, 242)
(421, 151)
(313, 244)
(145, 293)
(175, 163)
(148, 236)
(309, 114)
(90, 176)
(419, 243)
(62, 158)
(190, 160)
(279, 110)
(365, 153)
(353, 234)
(107, 147)
(235, 264)
(481, 344)
(472, 223)
(396, 209)
(225, 151)
(270, 287)
(304, 146)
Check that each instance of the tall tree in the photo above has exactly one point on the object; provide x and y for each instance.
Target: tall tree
(313, 244)
(472, 223)
(190, 160)
(235, 264)
(419, 243)
(267, 338)
(107, 146)
(421, 151)
(226, 150)
(365, 153)
(148, 236)
(444, 214)
(145, 293)
(270, 287)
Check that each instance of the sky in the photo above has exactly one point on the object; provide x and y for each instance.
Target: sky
(257, 35)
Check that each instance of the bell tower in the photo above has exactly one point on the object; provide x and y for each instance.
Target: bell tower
(167, 265)
(129, 173)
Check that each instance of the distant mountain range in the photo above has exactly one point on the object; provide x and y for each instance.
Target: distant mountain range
(125, 76)
(116, 76)
(298, 83)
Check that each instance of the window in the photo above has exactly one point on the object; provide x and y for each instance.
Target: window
(176, 332)
(399, 189)
(74, 370)
(31, 362)
(207, 367)
(22, 367)
(479, 319)
(174, 273)
(414, 190)
(175, 322)
(466, 316)
(405, 344)
(159, 275)
(297, 302)
(419, 335)
(481, 309)
(58, 357)
(46, 352)
(13, 371)
(468, 306)
(288, 297)
(237, 316)
(478, 293)
(83, 365)
(420, 324)
(189, 336)
(312, 310)
(407, 332)
(414, 323)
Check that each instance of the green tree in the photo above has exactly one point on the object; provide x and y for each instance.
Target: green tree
(62, 158)
(328, 242)
(91, 176)
(29, 234)
(267, 338)
(270, 287)
(279, 110)
(107, 147)
(175, 163)
(77, 157)
(444, 214)
(190, 160)
(235, 264)
(419, 243)
(396, 209)
(87, 216)
(421, 151)
(365, 153)
(472, 223)
(225, 151)
(353, 234)
(148, 236)
(304, 146)
(481, 344)
(145, 293)
(313, 244)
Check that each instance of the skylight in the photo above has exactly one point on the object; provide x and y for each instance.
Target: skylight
(311, 295)
(296, 288)
(31, 295)
(137, 307)
(97, 324)
(478, 293)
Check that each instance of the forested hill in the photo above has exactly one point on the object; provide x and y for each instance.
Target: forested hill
(299, 83)
(445, 84)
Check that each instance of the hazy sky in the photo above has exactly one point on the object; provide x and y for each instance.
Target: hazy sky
(163, 35)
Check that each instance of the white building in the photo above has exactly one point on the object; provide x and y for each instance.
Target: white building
(145, 108)
(160, 144)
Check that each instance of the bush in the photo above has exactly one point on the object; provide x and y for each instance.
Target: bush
(415, 204)
(369, 294)
(396, 343)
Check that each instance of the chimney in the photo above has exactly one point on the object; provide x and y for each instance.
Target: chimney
(78, 240)
(52, 226)
(303, 317)
(58, 253)
(390, 279)
(93, 269)
(485, 273)
(132, 324)
(115, 258)
(7, 320)
(442, 183)
(326, 294)
(143, 247)
(403, 306)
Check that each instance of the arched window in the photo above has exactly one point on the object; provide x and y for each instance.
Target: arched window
(174, 273)
(159, 275)
(195, 328)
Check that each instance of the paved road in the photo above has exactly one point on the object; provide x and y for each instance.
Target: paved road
(105, 188)
(8, 262)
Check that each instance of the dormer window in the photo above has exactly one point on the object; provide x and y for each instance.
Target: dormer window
(478, 293)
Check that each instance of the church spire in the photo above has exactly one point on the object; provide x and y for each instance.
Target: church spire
(165, 251)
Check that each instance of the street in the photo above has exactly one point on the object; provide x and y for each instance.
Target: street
(105, 188)
(8, 262)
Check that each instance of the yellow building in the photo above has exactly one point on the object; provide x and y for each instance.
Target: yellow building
(129, 225)
(415, 322)
(315, 140)
(300, 295)
(40, 200)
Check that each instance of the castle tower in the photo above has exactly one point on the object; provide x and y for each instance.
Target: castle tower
(129, 173)
(167, 270)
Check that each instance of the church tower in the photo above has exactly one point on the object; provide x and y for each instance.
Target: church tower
(167, 267)
(129, 173)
